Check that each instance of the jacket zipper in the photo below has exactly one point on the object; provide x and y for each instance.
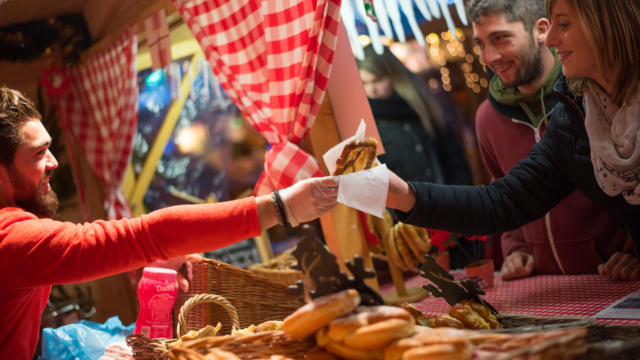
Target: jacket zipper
(547, 216)
(536, 130)
(568, 102)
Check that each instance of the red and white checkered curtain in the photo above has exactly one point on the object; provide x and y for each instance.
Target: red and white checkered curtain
(101, 111)
(158, 39)
(273, 58)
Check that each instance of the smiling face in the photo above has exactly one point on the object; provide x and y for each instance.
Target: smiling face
(508, 49)
(567, 35)
(26, 180)
(376, 87)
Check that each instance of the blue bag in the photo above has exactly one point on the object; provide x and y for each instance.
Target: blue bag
(84, 340)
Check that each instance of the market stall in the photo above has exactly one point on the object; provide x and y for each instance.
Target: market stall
(301, 92)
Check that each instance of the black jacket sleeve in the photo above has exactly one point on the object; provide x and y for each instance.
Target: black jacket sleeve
(532, 187)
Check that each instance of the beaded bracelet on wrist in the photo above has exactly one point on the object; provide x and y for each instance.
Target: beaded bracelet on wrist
(281, 206)
(277, 209)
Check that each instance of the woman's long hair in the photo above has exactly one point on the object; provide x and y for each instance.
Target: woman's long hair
(406, 85)
(613, 29)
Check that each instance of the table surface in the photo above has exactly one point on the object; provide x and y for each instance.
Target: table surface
(540, 295)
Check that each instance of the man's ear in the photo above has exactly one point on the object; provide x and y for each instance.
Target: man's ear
(541, 29)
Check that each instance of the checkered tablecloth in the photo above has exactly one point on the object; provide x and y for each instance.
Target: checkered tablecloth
(541, 295)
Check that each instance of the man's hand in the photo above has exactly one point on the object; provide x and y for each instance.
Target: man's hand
(621, 267)
(518, 264)
(184, 275)
(308, 199)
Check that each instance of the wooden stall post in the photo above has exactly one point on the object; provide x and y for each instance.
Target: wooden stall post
(341, 226)
(342, 110)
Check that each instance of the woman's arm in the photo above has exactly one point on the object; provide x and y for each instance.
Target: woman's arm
(527, 192)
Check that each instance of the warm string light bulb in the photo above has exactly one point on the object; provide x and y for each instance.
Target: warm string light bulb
(443, 49)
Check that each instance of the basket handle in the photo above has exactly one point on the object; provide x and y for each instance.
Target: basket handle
(206, 298)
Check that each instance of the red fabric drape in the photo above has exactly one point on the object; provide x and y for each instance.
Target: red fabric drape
(273, 59)
(100, 110)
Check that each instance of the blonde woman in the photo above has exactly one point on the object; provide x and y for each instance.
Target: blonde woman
(598, 42)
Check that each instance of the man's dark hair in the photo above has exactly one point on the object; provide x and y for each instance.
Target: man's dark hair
(15, 110)
(525, 11)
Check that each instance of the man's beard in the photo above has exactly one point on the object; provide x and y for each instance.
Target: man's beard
(30, 198)
(530, 66)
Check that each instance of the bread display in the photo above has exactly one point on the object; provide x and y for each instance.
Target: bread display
(426, 343)
(319, 313)
(205, 331)
(467, 314)
(407, 245)
(337, 321)
(336, 327)
(371, 327)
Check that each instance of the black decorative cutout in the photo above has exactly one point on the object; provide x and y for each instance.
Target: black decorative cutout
(322, 275)
(30, 40)
(452, 291)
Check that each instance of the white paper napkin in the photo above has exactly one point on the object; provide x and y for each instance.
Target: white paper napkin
(364, 190)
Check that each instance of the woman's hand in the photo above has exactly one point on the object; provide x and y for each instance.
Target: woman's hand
(518, 264)
(307, 199)
(400, 195)
(621, 267)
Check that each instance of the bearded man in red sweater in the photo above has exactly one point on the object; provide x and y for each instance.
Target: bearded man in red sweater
(576, 236)
(37, 251)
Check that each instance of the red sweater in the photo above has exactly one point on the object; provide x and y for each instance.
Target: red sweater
(37, 253)
(576, 235)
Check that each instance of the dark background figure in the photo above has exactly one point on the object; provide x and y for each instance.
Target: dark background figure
(419, 144)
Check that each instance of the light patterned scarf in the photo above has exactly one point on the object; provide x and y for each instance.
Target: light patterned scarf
(614, 136)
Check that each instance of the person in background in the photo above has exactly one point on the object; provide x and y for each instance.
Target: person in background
(418, 143)
(419, 146)
(599, 154)
(575, 236)
(37, 251)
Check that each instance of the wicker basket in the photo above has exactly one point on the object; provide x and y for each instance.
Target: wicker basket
(603, 341)
(253, 346)
(256, 298)
(563, 344)
(516, 323)
(279, 269)
(606, 341)
(284, 276)
(181, 329)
